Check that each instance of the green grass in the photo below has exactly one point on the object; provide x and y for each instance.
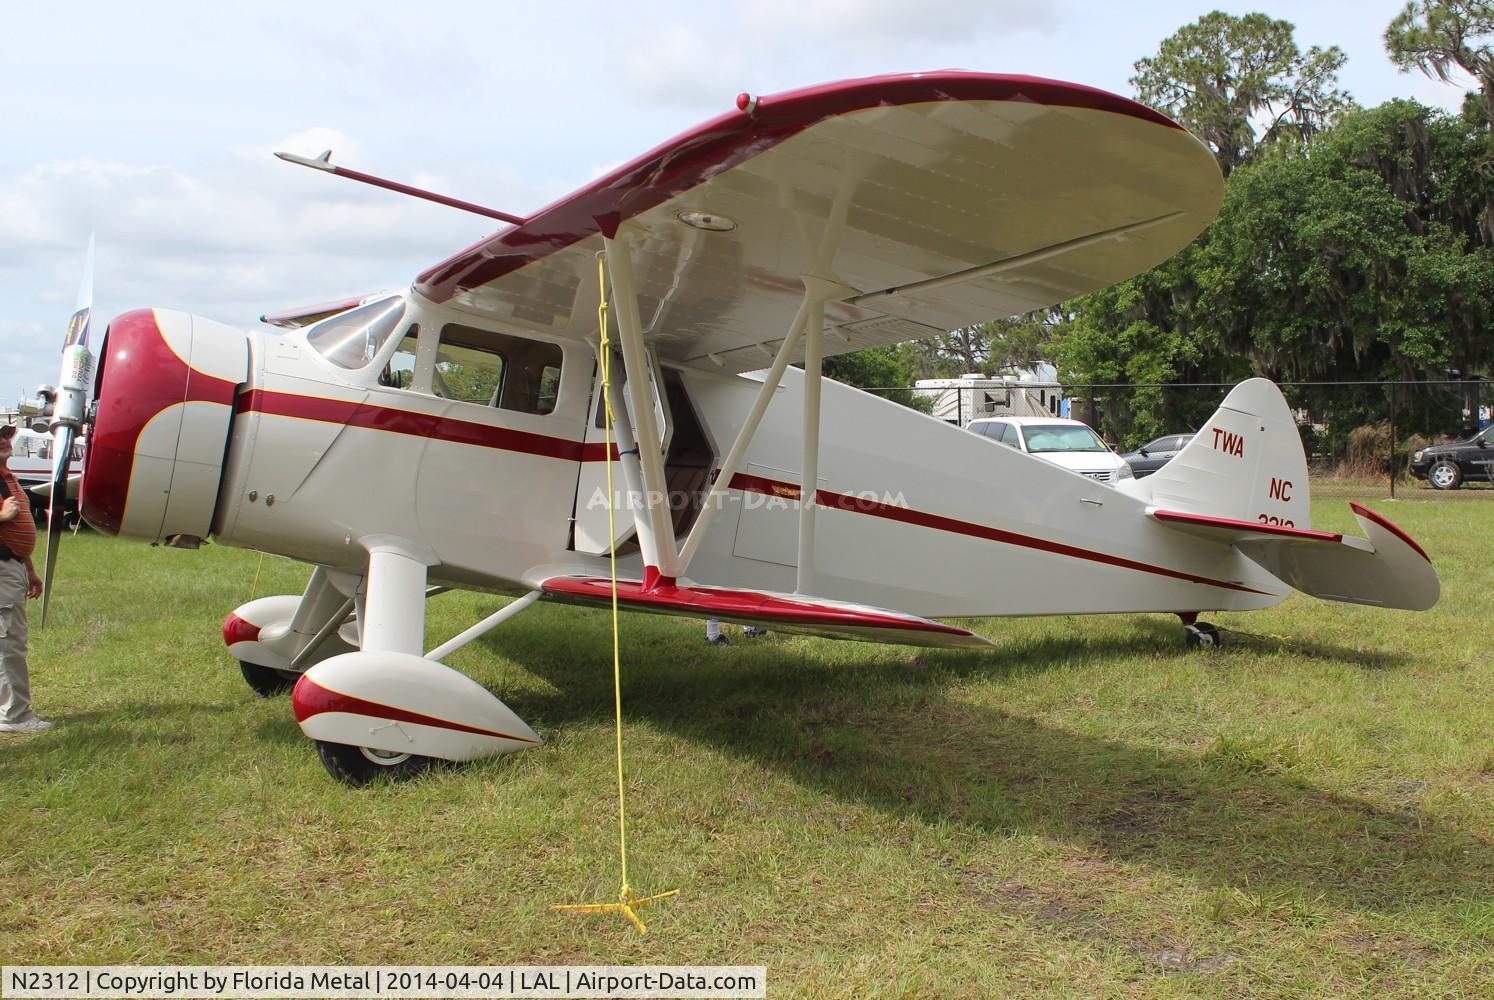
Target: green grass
(1085, 810)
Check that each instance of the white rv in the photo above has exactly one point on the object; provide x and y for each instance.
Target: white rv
(1033, 392)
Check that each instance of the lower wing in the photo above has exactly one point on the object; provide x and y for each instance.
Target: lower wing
(779, 612)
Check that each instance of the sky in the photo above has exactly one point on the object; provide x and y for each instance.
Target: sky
(152, 124)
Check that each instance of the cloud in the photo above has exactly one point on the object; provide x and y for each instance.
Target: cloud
(681, 66)
(230, 240)
(897, 23)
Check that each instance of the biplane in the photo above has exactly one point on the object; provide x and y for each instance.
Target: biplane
(456, 433)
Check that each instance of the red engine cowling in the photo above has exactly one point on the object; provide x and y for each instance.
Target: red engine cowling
(155, 453)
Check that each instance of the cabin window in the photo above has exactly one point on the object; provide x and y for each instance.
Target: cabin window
(352, 339)
(497, 369)
(399, 373)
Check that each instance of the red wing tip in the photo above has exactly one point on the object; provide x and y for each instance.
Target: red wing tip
(1365, 512)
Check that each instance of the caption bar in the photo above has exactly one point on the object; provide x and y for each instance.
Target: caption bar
(381, 981)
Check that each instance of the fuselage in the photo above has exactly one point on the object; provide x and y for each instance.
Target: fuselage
(479, 441)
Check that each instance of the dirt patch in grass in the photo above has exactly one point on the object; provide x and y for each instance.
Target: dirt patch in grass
(1076, 917)
(1392, 947)
(1140, 815)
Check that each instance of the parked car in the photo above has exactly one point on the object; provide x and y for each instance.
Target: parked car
(1447, 466)
(1068, 443)
(1155, 453)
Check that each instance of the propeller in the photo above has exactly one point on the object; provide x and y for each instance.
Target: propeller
(69, 412)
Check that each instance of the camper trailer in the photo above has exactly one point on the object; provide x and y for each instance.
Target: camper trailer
(1032, 392)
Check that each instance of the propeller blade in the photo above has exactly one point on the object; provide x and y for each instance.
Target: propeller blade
(62, 453)
(68, 414)
(78, 326)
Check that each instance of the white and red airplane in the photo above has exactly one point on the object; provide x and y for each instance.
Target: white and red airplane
(452, 434)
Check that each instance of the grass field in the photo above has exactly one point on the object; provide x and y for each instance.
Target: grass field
(1085, 810)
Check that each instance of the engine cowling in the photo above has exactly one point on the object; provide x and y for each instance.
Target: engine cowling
(165, 402)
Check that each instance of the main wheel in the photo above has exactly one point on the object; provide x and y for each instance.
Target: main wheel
(1445, 476)
(357, 766)
(267, 682)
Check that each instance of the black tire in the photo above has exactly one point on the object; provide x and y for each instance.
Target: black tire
(1202, 635)
(357, 766)
(267, 682)
(1445, 475)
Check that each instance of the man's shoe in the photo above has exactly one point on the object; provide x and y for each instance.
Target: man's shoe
(29, 726)
(753, 631)
(719, 640)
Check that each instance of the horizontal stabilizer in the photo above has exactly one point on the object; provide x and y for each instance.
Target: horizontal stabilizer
(779, 612)
(1385, 569)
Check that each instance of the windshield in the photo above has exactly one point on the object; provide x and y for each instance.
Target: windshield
(352, 339)
(1061, 437)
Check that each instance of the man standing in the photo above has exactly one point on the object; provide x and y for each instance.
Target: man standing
(18, 581)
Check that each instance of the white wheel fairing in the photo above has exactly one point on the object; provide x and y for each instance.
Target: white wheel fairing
(242, 627)
(400, 703)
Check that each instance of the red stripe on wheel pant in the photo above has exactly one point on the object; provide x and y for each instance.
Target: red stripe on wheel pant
(310, 699)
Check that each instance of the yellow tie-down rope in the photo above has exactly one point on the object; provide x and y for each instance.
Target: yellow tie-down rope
(627, 903)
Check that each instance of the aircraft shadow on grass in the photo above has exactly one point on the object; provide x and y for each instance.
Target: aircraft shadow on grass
(890, 735)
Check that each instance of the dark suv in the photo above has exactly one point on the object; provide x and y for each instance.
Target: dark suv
(1446, 466)
(1154, 454)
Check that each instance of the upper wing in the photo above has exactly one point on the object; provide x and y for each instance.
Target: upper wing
(938, 199)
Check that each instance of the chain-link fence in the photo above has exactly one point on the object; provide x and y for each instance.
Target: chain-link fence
(1428, 438)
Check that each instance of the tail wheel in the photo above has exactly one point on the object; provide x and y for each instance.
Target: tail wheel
(1445, 476)
(267, 682)
(357, 766)
(1201, 635)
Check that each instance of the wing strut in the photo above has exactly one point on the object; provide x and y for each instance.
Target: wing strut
(655, 530)
(809, 478)
(810, 316)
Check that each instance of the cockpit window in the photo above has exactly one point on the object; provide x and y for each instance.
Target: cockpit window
(352, 339)
(497, 369)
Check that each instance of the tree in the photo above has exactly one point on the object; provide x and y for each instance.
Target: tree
(1437, 35)
(1223, 77)
(1014, 342)
(1129, 340)
(1357, 258)
(887, 368)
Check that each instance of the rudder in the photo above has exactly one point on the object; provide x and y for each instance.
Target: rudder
(1245, 463)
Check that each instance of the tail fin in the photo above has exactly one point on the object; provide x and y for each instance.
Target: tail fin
(1246, 463)
(1243, 480)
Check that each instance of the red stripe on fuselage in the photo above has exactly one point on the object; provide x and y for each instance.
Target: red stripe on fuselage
(310, 699)
(465, 432)
(875, 508)
(397, 421)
